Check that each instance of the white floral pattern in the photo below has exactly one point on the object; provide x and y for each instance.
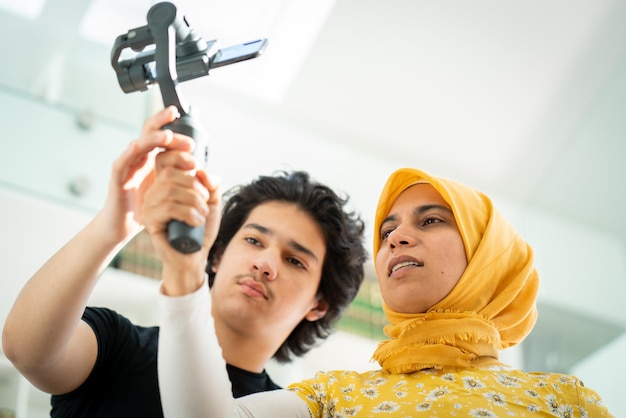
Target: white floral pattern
(492, 393)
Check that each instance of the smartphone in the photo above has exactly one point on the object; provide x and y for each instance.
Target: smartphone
(237, 53)
(139, 71)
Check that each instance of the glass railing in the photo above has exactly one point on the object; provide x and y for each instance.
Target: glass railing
(58, 152)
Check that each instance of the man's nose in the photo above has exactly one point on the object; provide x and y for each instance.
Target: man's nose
(266, 264)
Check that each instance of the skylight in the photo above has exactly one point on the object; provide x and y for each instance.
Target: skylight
(29, 9)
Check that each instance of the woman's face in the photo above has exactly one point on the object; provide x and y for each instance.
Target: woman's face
(422, 256)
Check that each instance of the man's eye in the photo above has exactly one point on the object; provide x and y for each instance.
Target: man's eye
(430, 221)
(384, 234)
(296, 262)
(252, 241)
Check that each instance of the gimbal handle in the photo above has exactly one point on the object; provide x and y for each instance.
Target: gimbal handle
(168, 29)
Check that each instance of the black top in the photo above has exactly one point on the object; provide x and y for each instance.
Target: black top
(124, 382)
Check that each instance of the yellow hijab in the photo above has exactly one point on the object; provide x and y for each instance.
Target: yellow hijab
(492, 307)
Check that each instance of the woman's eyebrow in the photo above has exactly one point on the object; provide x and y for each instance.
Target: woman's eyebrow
(425, 208)
(420, 210)
(388, 219)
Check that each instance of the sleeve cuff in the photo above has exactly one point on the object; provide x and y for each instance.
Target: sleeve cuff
(186, 302)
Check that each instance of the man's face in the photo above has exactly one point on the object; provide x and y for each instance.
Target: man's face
(267, 278)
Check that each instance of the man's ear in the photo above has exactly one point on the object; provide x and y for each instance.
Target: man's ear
(216, 262)
(318, 311)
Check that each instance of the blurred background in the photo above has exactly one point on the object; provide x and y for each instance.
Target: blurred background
(522, 99)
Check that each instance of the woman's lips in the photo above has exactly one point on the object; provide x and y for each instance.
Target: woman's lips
(401, 262)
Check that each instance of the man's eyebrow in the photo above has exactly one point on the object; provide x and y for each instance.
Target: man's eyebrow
(293, 244)
(259, 228)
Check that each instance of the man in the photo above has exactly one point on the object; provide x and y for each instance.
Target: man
(286, 261)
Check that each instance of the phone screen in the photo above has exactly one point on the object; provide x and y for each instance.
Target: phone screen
(236, 53)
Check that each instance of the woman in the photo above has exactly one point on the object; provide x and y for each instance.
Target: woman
(458, 286)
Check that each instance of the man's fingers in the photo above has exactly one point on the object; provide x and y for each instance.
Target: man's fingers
(153, 135)
(211, 183)
(181, 195)
(160, 119)
(175, 159)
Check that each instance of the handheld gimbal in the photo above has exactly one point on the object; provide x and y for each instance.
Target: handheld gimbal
(179, 55)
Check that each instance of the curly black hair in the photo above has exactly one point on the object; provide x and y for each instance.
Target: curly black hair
(343, 268)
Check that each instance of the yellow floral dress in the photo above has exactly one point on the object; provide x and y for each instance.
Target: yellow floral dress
(493, 392)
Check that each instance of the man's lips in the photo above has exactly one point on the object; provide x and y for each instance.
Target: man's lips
(253, 288)
(401, 262)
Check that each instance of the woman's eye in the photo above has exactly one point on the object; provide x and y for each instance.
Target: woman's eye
(384, 234)
(430, 221)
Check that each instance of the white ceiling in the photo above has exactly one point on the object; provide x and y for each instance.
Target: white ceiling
(525, 99)
(520, 98)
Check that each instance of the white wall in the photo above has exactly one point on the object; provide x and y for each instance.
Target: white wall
(580, 268)
(585, 270)
(603, 371)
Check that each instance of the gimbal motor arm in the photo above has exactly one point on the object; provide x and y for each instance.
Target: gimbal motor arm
(167, 30)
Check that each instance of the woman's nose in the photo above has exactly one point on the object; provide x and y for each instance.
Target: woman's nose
(399, 237)
(265, 263)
